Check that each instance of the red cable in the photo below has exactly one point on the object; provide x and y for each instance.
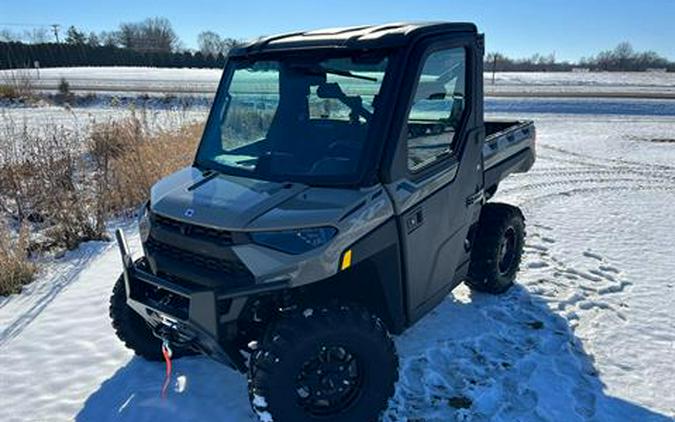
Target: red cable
(166, 352)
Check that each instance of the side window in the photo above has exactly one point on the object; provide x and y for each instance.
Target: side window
(437, 109)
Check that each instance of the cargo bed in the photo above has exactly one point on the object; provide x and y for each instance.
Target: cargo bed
(509, 148)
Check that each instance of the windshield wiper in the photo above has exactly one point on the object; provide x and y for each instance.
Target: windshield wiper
(347, 74)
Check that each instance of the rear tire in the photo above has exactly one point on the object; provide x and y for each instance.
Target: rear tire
(132, 329)
(497, 248)
(332, 364)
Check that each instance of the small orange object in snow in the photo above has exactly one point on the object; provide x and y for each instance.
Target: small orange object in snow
(166, 351)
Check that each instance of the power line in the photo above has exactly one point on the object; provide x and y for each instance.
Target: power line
(25, 24)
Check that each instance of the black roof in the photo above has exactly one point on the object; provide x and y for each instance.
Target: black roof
(355, 37)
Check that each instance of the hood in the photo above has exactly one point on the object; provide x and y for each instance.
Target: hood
(217, 200)
(236, 203)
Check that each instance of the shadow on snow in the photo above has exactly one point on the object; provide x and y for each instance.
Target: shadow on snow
(475, 357)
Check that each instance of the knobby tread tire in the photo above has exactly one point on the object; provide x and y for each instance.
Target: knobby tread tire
(290, 341)
(484, 274)
(132, 329)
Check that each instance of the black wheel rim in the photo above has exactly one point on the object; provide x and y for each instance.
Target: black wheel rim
(329, 382)
(507, 251)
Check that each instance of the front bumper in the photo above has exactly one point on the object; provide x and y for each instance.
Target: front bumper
(188, 314)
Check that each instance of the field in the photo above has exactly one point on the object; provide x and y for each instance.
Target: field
(587, 334)
(204, 81)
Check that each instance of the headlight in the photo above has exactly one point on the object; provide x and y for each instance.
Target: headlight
(144, 221)
(295, 241)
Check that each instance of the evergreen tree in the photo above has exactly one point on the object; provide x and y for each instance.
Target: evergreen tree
(93, 40)
(73, 36)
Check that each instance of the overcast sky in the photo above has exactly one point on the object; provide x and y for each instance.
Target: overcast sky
(571, 28)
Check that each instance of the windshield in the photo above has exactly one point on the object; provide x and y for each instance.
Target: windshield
(299, 119)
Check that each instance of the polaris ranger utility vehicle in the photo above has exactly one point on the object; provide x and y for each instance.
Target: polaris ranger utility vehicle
(338, 194)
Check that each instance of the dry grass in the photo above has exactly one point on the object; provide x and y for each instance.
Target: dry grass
(61, 186)
(130, 161)
(48, 183)
(16, 84)
(69, 184)
(244, 124)
(16, 269)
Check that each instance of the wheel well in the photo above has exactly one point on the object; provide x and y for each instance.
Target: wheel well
(374, 281)
(362, 284)
(490, 191)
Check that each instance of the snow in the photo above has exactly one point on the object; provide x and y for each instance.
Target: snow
(587, 334)
(205, 81)
(657, 79)
(259, 403)
(122, 79)
(638, 84)
(80, 119)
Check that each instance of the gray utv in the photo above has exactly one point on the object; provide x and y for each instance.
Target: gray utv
(337, 196)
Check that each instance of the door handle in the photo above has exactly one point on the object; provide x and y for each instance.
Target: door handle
(414, 220)
(475, 197)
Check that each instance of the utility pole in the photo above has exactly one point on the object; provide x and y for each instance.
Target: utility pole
(55, 28)
(494, 68)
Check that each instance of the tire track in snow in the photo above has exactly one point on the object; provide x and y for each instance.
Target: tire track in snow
(593, 160)
(585, 174)
(496, 372)
(615, 182)
(529, 335)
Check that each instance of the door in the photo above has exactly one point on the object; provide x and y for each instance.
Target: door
(440, 196)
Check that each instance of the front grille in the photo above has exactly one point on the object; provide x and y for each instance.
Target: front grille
(229, 267)
(161, 299)
(219, 237)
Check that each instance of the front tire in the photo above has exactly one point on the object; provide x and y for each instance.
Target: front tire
(497, 249)
(336, 363)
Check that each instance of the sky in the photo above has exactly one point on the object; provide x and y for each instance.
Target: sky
(569, 28)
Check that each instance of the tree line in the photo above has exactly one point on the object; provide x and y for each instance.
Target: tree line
(151, 42)
(20, 55)
(622, 58)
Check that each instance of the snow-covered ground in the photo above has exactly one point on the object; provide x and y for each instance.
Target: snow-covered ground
(80, 119)
(588, 333)
(205, 81)
(594, 84)
(174, 113)
(121, 79)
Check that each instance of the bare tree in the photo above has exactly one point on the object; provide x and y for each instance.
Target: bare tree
(151, 35)
(624, 58)
(160, 34)
(37, 35)
(231, 43)
(7, 35)
(211, 44)
(129, 35)
(108, 38)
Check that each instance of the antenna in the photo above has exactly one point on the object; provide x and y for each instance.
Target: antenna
(55, 28)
